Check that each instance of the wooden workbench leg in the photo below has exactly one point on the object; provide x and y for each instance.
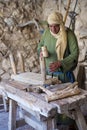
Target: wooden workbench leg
(49, 124)
(12, 115)
(5, 104)
(80, 120)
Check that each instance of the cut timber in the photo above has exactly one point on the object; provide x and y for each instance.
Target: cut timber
(63, 93)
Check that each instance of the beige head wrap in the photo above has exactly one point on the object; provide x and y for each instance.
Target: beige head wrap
(57, 18)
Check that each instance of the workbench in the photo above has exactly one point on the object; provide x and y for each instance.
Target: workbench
(36, 111)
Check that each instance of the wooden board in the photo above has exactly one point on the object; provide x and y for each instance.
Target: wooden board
(17, 84)
(29, 77)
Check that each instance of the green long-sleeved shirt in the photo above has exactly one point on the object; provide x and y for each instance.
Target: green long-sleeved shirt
(70, 58)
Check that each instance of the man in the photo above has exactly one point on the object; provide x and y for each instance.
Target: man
(62, 48)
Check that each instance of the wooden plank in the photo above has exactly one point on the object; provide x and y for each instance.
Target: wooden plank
(29, 77)
(16, 84)
(28, 100)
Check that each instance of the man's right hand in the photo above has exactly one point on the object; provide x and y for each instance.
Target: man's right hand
(41, 54)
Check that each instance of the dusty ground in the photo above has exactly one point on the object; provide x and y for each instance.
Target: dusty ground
(4, 122)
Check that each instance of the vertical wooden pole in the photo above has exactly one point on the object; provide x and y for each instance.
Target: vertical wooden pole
(69, 1)
(48, 124)
(5, 103)
(60, 2)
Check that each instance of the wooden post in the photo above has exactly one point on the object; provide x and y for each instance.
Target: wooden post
(60, 3)
(12, 63)
(49, 124)
(5, 103)
(12, 115)
(21, 62)
(69, 1)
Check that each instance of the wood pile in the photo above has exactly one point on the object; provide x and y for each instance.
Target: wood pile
(70, 90)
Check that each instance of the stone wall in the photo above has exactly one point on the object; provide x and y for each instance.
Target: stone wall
(15, 35)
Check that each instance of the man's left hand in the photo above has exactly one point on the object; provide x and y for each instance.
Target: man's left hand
(54, 66)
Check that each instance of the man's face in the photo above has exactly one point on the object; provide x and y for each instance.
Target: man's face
(54, 28)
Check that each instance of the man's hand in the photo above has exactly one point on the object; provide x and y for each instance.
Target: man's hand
(41, 54)
(54, 66)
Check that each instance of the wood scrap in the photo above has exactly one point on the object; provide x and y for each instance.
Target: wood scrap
(48, 92)
(70, 90)
(68, 87)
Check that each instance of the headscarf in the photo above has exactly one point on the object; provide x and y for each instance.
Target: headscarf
(57, 18)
